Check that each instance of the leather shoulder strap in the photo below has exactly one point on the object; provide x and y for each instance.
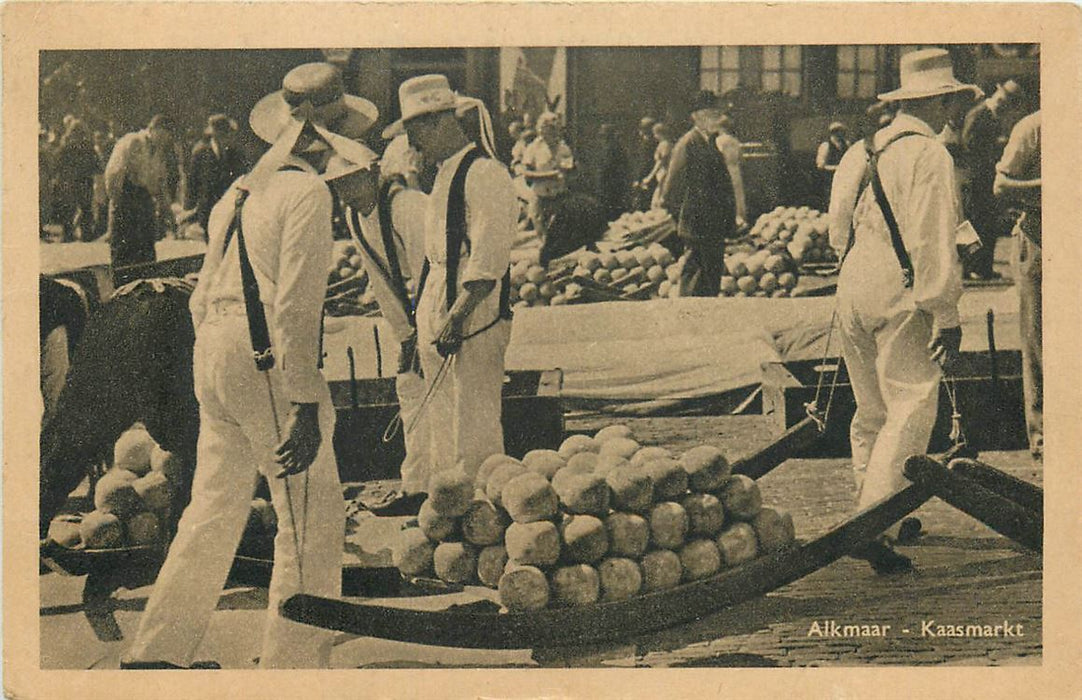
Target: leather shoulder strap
(456, 221)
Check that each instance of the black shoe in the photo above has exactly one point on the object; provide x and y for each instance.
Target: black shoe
(162, 665)
(883, 558)
(403, 504)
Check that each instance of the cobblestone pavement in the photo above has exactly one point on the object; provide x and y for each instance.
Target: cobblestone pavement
(966, 574)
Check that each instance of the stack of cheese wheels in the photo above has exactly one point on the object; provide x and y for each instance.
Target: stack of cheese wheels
(601, 519)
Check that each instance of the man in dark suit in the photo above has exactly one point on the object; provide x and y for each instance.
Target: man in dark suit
(698, 192)
(983, 139)
(216, 164)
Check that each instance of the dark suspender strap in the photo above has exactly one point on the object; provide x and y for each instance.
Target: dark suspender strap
(253, 305)
(456, 221)
(426, 266)
(871, 177)
(390, 246)
(397, 284)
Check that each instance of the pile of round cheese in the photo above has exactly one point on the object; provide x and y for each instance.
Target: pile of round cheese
(802, 232)
(601, 519)
(133, 501)
(348, 292)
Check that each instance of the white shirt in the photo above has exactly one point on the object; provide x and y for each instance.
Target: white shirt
(134, 158)
(287, 232)
(408, 209)
(491, 217)
(919, 181)
(540, 157)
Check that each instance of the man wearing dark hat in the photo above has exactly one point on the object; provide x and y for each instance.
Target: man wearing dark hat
(894, 220)
(983, 139)
(698, 192)
(216, 163)
(264, 406)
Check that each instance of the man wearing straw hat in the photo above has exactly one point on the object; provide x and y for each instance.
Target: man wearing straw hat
(894, 217)
(463, 312)
(387, 222)
(264, 405)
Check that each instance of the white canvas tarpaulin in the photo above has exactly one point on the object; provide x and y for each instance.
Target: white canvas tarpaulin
(666, 349)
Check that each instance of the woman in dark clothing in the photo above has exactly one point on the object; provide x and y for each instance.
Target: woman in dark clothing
(76, 166)
(612, 173)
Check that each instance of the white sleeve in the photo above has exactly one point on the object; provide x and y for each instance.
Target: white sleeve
(491, 210)
(843, 195)
(408, 211)
(931, 220)
(306, 251)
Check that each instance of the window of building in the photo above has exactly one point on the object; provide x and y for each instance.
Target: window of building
(859, 68)
(766, 68)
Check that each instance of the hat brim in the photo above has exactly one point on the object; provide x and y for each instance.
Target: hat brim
(272, 113)
(947, 89)
(398, 128)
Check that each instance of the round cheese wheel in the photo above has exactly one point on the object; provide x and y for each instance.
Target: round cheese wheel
(707, 468)
(661, 569)
(490, 564)
(669, 478)
(586, 494)
(621, 447)
(480, 479)
(436, 527)
(167, 463)
(613, 431)
(483, 524)
(585, 539)
(700, 558)
(773, 529)
(629, 535)
(668, 525)
(577, 584)
(64, 530)
(101, 530)
(133, 450)
(529, 497)
(620, 578)
(607, 462)
(499, 478)
(533, 544)
(575, 444)
(455, 562)
(740, 497)
(737, 544)
(412, 552)
(524, 588)
(544, 462)
(450, 492)
(154, 491)
(582, 462)
(115, 493)
(647, 454)
(632, 489)
(706, 516)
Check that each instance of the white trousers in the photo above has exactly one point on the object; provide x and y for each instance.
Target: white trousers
(416, 469)
(464, 409)
(896, 386)
(237, 437)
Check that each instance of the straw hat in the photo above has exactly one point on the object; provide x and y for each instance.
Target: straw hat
(425, 94)
(927, 73)
(313, 92)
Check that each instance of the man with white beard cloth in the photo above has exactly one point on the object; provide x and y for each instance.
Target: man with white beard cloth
(894, 213)
(387, 222)
(264, 405)
(463, 314)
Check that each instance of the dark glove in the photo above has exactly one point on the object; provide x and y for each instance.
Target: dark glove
(409, 360)
(301, 440)
(945, 345)
(450, 340)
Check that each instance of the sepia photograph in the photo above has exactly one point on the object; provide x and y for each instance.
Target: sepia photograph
(493, 355)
